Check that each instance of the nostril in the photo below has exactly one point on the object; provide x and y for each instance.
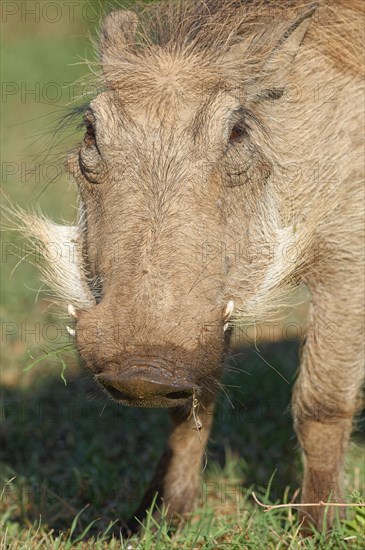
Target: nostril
(178, 395)
(127, 396)
(114, 392)
(136, 390)
(117, 394)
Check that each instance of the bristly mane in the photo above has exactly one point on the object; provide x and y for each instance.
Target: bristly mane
(211, 24)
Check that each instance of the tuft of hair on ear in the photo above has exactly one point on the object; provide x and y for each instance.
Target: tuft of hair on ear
(274, 52)
(289, 43)
(118, 34)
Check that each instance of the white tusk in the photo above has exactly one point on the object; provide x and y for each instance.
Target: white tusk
(225, 326)
(71, 331)
(229, 310)
(72, 311)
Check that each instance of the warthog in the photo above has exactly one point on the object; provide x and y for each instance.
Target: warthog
(220, 122)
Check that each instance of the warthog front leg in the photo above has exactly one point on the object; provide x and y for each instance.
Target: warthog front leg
(177, 475)
(327, 392)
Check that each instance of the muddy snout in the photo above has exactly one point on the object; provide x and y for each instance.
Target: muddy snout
(148, 385)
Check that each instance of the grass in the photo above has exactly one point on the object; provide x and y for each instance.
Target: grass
(74, 464)
(72, 453)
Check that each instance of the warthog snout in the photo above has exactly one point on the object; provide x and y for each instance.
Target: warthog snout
(143, 361)
(148, 385)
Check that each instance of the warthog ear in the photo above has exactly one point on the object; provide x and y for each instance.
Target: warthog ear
(270, 53)
(117, 34)
(287, 47)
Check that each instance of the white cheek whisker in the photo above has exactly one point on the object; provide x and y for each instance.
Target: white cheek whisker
(64, 273)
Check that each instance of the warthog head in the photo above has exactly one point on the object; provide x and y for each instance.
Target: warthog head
(178, 219)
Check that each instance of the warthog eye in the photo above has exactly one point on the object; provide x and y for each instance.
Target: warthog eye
(238, 133)
(90, 160)
(90, 137)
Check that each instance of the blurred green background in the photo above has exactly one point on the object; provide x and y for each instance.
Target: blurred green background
(43, 46)
(64, 447)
